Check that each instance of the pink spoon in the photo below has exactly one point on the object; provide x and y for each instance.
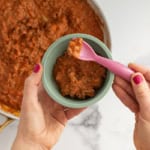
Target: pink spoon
(88, 54)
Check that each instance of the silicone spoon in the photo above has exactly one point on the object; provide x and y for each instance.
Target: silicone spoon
(88, 54)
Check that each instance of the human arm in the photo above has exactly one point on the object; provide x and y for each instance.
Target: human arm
(136, 96)
(42, 120)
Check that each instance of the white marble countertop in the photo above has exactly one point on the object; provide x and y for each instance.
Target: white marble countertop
(107, 125)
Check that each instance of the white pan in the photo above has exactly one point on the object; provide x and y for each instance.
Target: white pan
(11, 117)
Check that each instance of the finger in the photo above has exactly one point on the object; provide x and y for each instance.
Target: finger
(124, 85)
(73, 112)
(141, 90)
(31, 85)
(125, 98)
(139, 68)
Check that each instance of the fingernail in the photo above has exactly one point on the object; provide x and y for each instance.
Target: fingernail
(36, 68)
(137, 79)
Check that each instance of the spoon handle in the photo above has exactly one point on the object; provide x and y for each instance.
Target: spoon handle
(115, 67)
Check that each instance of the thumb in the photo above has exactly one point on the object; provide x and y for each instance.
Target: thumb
(30, 95)
(141, 90)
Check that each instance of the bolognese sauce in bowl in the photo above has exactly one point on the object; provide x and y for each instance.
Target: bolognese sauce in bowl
(72, 82)
(76, 78)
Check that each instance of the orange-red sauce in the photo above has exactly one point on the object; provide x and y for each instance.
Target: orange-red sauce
(27, 28)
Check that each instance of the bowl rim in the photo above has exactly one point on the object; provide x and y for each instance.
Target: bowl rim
(63, 100)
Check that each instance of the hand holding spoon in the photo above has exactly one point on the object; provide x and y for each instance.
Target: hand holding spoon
(83, 51)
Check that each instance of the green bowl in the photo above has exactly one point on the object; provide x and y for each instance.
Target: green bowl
(49, 59)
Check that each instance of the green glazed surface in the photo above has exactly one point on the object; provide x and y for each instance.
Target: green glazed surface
(49, 59)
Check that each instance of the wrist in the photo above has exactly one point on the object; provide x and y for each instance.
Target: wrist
(21, 144)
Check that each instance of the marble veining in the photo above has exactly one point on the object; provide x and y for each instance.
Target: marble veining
(87, 125)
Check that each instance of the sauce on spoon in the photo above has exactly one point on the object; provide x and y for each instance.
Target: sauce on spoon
(74, 47)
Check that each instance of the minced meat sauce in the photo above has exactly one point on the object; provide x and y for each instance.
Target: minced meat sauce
(27, 28)
(76, 78)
